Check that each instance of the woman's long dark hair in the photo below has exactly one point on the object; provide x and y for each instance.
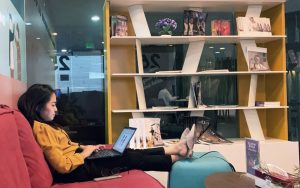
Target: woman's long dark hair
(34, 100)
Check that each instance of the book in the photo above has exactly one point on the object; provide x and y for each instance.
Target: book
(147, 134)
(257, 59)
(267, 103)
(196, 22)
(119, 25)
(186, 14)
(197, 94)
(252, 155)
(220, 27)
(216, 70)
(258, 26)
(277, 176)
(164, 107)
(152, 132)
(137, 140)
(211, 137)
(205, 134)
(171, 71)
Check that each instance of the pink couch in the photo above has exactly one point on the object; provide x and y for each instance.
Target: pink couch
(22, 163)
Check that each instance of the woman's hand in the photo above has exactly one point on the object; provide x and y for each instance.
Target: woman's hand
(88, 150)
(100, 146)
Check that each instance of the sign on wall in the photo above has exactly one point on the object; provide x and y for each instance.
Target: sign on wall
(12, 45)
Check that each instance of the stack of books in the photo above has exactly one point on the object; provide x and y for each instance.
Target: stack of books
(267, 103)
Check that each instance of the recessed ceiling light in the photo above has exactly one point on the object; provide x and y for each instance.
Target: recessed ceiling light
(102, 42)
(217, 52)
(28, 23)
(54, 34)
(95, 18)
(211, 47)
(37, 38)
(63, 50)
(222, 48)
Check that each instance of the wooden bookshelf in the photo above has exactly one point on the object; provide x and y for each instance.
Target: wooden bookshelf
(124, 94)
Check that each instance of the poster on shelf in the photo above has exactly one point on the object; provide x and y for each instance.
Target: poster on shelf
(148, 133)
(252, 155)
(12, 46)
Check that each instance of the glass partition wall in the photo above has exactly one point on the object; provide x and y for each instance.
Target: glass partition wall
(65, 50)
(293, 67)
(215, 90)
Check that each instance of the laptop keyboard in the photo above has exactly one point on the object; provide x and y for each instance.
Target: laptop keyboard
(104, 153)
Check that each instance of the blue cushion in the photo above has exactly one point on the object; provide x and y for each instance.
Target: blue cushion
(191, 173)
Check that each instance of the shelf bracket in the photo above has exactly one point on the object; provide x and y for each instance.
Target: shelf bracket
(139, 21)
(192, 57)
(253, 82)
(140, 92)
(254, 11)
(137, 115)
(192, 102)
(254, 125)
(139, 56)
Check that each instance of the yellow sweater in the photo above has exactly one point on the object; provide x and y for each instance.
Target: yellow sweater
(57, 147)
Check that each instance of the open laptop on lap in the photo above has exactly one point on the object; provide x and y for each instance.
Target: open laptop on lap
(119, 146)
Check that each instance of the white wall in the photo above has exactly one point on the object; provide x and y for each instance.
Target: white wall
(10, 20)
(40, 68)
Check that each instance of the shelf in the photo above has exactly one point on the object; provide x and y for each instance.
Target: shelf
(159, 40)
(180, 5)
(204, 73)
(197, 109)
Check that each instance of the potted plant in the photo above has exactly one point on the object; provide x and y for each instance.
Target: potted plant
(166, 26)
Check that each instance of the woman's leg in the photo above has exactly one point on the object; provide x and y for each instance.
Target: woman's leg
(131, 159)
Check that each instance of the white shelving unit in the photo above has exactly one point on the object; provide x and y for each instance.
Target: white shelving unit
(251, 113)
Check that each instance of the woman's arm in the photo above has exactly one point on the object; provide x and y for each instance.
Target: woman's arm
(62, 160)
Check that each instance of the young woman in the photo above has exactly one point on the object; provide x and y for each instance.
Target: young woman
(67, 158)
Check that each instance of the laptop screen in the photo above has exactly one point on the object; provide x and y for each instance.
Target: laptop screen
(124, 139)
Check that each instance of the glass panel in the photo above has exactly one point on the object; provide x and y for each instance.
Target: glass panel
(174, 91)
(79, 76)
(293, 67)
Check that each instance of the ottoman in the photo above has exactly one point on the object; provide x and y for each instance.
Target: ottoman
(191, 173)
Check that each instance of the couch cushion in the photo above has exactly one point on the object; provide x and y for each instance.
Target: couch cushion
(13, 168)
(130, 179)
(39, 173)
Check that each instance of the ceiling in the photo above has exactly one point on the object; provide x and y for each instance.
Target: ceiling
(71, 20)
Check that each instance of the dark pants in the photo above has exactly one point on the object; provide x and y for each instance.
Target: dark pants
(148, 159)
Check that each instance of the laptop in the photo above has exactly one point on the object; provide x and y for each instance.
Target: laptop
(119, 146)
